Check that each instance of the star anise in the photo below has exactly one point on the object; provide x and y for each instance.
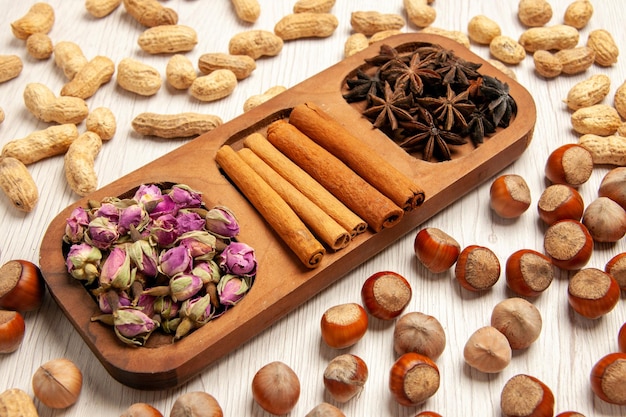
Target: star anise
(362, 86)
(458, 71)
(387, 110)
(408, 77)
(387, 53)
(429, 137)
(479, 125)
(501, 104)
(435, 53)
(450, 109)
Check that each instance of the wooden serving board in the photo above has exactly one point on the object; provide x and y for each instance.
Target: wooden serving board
(282, 282)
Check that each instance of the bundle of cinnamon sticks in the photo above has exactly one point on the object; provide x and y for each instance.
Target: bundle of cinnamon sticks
(316, 184)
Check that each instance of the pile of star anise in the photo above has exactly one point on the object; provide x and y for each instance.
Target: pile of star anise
(428, 99)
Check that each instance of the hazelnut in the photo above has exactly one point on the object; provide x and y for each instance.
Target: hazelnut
(343, 325)
(526, 396)
(518, 320)
(487, 350)
(436, 250)
(608, 378)
(528, 272)
(592, 293)
(570, 164)
(420, 333)
(558, 202)
(477, 268)
(568, 244)
(605, 219)
(386, 294)
(509, 196)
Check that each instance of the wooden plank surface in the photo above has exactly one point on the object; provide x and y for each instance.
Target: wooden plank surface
(568, 345)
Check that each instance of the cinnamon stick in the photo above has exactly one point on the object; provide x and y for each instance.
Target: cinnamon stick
(306, 184)
(320, 223)
(327, 132)
(272, 207)
(356, 193)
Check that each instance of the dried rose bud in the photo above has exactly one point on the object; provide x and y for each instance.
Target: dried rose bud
(222, 222)
(132, 326)
(102, 233)
(146, 194)
(185, 197)
(201, 244)
(165, 307)
(144, 257)
(116, 271)
(75, 225)
(163, 230)
(83, 262)
(109, 211)
(123, 300)
(132, 217)
(145, 303)
(231, 289)
(184, 286)
(175, 261)
(194, 313)
(208, 271)
(163, 207)
(188, 221)
(238, 259)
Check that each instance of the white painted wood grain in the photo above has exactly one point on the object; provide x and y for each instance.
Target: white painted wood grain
(563, 355)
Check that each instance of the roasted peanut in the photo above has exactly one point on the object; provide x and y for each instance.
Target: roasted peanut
(167, 39)
(241, 65)
(180, 72)
(604, 46)
(41, 144)
(102, 122)
(370, 22)
(138, 77)
(90, 78)
(150, 13)
(10, 67)
(45, 106)
(313, 6)
(69, 57)
(621, 130)
(39, 46)
(455, 35)
(181, 125)
(507, 50)
(419, 12)
(38, 19)
(17, 403)
(576, 60)
(355, 43)
(18, 185)
(547, 64)
(578, 13)
(549, 38)
(609, 150)
(254, 101)
(306, 25)
(247, 10)
(482, 29)
(599, 119)
(255, 44)
(534, 12)
(216, 85)
(619, 100)
(588, 92)
(101, 8)
(383, 34)
(79, 163)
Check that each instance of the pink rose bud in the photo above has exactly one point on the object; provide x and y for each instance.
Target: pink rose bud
(83, 262)
(238, 259)
(132, 326)
(222, 222)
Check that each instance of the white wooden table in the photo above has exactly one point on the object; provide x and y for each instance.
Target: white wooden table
(562, 357)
